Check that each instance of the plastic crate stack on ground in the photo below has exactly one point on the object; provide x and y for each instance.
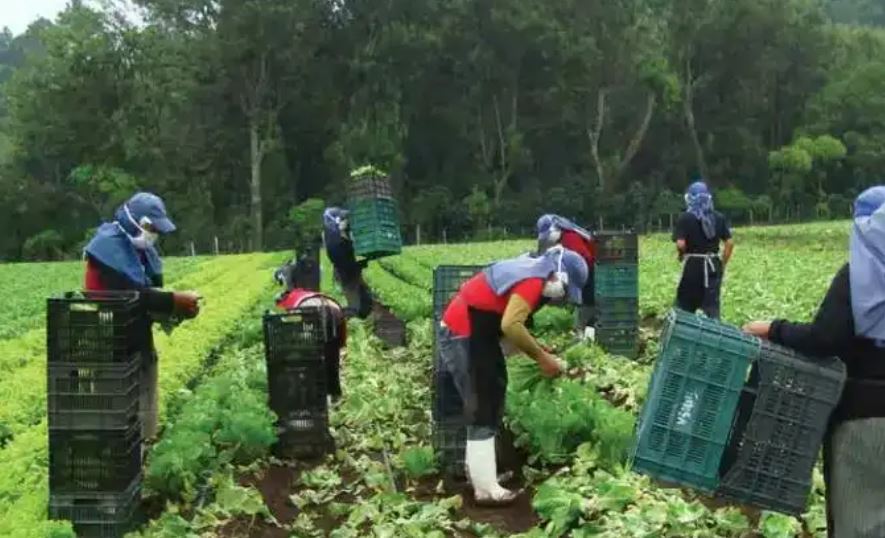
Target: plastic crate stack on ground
(449, 431)
(730, 415)
(617, 292)
(295, 344)
(95, 345)
(374, 215)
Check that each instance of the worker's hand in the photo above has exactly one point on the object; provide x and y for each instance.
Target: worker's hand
(187, 303)
(551, 366)
(758, 328)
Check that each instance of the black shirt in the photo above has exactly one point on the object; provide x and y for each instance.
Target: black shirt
(689, 228)
(832, 334)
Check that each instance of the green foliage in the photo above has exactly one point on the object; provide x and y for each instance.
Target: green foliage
(419, 461)
(46, 245)
(307, 217)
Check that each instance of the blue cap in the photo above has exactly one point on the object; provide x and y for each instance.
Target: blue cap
(698, 187)
(145, 204)
(576, 268)
(869, 201)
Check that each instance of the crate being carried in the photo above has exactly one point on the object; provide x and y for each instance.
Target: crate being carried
(295, 345)
(709, 424)
(374, 214)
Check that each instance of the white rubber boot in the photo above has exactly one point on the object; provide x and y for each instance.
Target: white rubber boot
(483, 473)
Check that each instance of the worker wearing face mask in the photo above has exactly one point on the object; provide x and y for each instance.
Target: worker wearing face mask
(348, 271)
(491, 310)
(123, 256)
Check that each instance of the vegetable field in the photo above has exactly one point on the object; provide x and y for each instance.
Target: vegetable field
(210, 473)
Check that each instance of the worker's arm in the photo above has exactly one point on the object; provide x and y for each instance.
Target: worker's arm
(727, 251)
(513, 327)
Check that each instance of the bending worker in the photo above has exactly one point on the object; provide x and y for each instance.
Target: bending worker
(336, 327)
(490, 311)
(850, 324)
(122, 256)
(348, 271)
(697, 234)
(556, 230)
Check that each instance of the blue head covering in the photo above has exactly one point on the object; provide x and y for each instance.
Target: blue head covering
(502, 276)
(549, 224)
(331, 218)
(867, 265)
(699, 202)
(112, 244)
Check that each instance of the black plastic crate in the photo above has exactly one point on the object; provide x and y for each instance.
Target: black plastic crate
(93, 461)
(304, 434)
(616, 247)
(449, 434)
(370, 185)
(95, 327)
(297, 387)
(298, 335)
(447, 280)
(778, 429)
(99, 396)
(99, 515)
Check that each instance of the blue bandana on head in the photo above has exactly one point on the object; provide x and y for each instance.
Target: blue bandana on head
(867, 265)
(699, 202)
(331, 218)
(112, 247)
(548, 225)
(502, 276)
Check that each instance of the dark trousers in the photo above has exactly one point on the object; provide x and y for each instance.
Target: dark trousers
(697, 293)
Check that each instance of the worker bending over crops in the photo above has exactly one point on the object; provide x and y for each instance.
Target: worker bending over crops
(336, 328)
(122, 256)
(348, 271)
(556, 230)
(697, 234)
(488, 311)
(850, 324)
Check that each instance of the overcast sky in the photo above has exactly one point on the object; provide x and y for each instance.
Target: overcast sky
(18, 14)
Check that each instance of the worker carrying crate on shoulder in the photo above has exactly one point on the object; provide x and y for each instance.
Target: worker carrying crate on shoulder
(489, 313)
(123, 256)
(697, 235)
(336, 328)
(555, 230)
(348, 271)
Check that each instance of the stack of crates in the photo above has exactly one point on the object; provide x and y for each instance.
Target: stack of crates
(374, 216)
(731, 415)
(295, 344)
(617, 292)
(449, 429)
(94, 346)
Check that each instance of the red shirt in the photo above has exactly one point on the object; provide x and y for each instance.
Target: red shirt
(580, 245)
(477, 293)
(93, 279)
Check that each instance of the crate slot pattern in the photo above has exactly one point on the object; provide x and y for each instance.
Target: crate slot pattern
(297, 387)
(374, 219)
(95, 327)
(616, 280)
(449, 433)
(616, 247)
(97, 396)
(370, 186)
(789, 408)
(686, 421)
(104, 515)
(447, 280)
(298, 335)
(93, 461)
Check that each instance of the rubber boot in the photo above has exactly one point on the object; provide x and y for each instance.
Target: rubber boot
(483, 473)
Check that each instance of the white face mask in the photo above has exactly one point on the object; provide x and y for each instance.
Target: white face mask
(554, 235)
(556, 288)
(145, 239)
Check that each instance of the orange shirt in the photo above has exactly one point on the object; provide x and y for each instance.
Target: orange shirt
(476, 293)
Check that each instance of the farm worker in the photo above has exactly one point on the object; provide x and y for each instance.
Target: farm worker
(336, 329)
(697, 234)
(348, 271)
(122, 256)
(301, 272)
(556, 230)
(850, 324)
(490, 312)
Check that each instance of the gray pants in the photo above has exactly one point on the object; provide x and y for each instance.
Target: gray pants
(147, 404)
(857, 482)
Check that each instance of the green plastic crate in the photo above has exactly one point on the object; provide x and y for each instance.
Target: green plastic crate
(620, 280)
(621, 341)
(686, 422)
(617, 312)
(375, 229)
